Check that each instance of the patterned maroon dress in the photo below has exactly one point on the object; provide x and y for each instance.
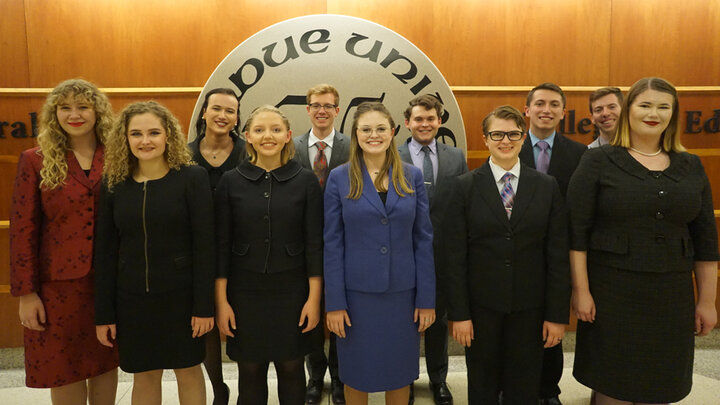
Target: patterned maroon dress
(51, 252)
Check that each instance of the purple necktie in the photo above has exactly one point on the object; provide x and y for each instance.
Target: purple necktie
(543, 159)
(507, 194)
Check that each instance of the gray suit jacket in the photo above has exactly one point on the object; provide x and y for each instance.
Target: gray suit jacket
(340, 150)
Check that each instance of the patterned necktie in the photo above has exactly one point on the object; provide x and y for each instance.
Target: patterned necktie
(507, 194)
(320, 165)
(428, 176)
(543, 159)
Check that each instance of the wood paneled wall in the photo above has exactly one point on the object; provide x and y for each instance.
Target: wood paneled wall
(178, 43)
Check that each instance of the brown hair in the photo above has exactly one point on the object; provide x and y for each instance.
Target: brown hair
(120, 162)
(287, 152)
(428, 102)
(604, 91)
(504, 112)
(392, 157)
(545, 86)
(670, 138)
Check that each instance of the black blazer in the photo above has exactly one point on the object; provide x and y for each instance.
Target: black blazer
(629, 217)
(269, 222)
(564, 159)
(507, 265)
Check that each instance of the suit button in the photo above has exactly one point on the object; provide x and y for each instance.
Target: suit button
(89, 210)
(656, 175)
(660, 239)
(88, 237)
(266, 194)
(265, 217)
(267, 175)
(267, 240)
(508, 262)
(383, 250)
(384, 221)
(662, 193)
(508, 236)
(659, 215)
(89, 223)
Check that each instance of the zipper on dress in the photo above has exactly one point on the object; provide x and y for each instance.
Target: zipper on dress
(147, 269)
(269, 244)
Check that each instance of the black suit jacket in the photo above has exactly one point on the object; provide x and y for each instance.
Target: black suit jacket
(507, 264)
(564, 158)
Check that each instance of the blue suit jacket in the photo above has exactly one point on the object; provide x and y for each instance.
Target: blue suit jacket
(371, 247)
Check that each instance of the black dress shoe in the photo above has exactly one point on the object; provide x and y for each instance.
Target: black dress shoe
(313, 393)
(411, 399)
(337, 391)
(441, 394)
(550, 401)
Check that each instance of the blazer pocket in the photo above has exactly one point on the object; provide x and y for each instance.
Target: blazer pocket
(183, 263)
(609, 242)
(295, 248)
(687, 245)
(240, 249)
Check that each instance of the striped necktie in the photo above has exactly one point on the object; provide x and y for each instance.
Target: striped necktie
(507, 194)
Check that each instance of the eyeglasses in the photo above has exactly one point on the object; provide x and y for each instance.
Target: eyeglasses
(499, 135)
(367, 131)
(326, 107)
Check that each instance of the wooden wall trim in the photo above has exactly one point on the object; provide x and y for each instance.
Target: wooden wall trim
(30, 91)
(5, 224)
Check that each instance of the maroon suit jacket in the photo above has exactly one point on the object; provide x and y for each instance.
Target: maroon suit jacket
(51, 231)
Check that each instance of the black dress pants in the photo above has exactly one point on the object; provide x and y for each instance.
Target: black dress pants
(506, 355)
(436, 344)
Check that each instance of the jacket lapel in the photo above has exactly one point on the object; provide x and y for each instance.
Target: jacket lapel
(489, 192)
(74, 169)
(524, 194)
(370, 194)
(302, 151)
(557, 155)
(392, 196)
(338, 150)
(526, 152)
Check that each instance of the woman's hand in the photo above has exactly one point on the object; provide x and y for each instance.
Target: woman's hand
(32, 312)
(424, 317)
(225, 318)
(311, 313)
(583, 305)
(201, 326)
(705, 318)
(101, 331)
(336, 321)
(552, 333)
(462, 332)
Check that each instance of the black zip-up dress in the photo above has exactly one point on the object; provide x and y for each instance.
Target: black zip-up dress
(154, 261)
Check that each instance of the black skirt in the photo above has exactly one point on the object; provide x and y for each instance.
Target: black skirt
(267, 311)
(154, 331)
(640, 347)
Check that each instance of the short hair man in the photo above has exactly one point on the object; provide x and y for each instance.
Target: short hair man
(321, 149)
(508, 266)
(605, 108)
(439, 162)
(548, 151)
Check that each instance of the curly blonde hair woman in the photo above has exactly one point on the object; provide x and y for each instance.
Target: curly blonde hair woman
(155, 254)
(51, 266)
(120, 163)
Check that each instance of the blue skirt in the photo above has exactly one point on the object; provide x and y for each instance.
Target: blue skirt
(381, 349)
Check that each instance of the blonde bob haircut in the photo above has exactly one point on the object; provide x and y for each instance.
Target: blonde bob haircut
(120, 163)
(670, 138)
(287, 152)
(392, 157)
(52, 139)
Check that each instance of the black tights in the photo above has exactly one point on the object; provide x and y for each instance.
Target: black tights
(254, 389)
(213, 366)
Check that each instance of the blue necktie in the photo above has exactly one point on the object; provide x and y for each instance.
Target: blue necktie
(507, 194)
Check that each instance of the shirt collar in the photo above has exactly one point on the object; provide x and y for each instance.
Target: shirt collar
(550, 139)
(312, 139)
(415, 146)
(498, 171)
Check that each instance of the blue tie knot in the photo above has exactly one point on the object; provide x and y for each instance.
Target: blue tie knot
(543, 145)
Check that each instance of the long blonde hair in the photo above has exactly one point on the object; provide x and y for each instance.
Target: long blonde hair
(392, 158)
(53, 140)
(120, 163)
(670, 138)
(287, 152)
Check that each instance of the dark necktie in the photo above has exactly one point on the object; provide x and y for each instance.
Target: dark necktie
(507, 193)
(428, 176)
(320, 165)
(543, 160)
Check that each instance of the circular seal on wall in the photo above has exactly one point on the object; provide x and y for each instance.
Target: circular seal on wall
(363, 60)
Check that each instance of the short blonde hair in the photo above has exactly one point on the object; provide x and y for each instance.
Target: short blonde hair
(323, 89)
(53, 140)
(670, 138)
(287, 152)
(120, 163)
